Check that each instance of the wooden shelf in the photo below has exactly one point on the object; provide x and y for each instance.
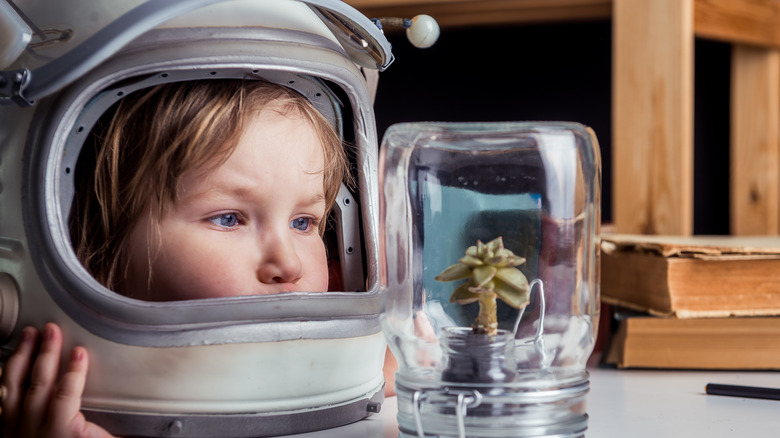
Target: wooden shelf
(738, 21)
(494, 12)
(652, 139)
(752, 22)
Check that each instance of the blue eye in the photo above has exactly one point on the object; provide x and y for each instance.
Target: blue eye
(301, 223)
(227, 220)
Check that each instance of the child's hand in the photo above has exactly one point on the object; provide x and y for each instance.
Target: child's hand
(34, 404)
(391, 366)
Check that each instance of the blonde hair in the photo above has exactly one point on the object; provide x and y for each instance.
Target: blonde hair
(154, 137)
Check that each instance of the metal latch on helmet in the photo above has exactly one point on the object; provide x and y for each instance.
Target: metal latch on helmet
(421, 30)
(12, 87)
(9, 305)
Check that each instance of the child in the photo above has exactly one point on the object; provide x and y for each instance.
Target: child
(199, 189)
(184, 183)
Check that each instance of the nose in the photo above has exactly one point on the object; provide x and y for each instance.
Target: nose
(279, 260)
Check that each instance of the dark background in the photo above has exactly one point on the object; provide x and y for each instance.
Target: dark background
(547, 72)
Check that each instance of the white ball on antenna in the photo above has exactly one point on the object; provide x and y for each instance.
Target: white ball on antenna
(423, 32)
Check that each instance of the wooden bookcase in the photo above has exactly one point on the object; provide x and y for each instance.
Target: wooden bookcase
(652, 88)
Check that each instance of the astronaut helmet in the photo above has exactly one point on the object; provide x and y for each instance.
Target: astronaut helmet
(257, 365)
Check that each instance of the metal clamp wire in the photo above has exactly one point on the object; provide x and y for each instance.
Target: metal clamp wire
(464, 401)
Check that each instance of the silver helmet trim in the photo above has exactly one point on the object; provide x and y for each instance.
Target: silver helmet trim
(363, 42)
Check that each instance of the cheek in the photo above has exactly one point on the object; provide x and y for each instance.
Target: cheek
(192, 272)
(322, 278)
(317, 268)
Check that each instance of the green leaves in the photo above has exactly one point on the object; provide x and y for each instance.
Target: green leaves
(512, 287)
(490, 269)
(457, 271)
(482, 275)
(462, 295)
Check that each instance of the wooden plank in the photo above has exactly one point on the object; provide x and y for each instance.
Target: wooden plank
(755, 145)
(463, 13)
(754, 22)
(652, 143)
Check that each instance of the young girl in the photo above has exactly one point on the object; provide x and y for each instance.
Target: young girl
(197, 172)
(195, 190)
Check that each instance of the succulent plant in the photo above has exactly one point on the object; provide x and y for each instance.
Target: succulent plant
(492, 273)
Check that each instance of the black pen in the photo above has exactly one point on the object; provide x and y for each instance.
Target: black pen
(742, 391)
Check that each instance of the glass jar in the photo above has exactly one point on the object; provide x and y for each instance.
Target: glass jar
(490, 234)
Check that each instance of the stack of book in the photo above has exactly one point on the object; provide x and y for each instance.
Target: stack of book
(692, 302)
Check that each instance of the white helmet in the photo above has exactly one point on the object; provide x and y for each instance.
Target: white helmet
(243, 366)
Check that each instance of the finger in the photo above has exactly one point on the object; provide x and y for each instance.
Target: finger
(43, 379)
(15, 375)
(65, 410)
(66, 404)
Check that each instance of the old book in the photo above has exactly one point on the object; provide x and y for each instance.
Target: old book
(731, 343)
(687, 277)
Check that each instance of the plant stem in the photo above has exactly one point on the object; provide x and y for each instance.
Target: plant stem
(487, 320)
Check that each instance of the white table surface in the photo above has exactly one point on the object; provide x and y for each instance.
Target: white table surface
(639, 404)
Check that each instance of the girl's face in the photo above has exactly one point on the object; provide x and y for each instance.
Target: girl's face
(248, 227)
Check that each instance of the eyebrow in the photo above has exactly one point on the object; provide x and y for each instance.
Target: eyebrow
(245, 192)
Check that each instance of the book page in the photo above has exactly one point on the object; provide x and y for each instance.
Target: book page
(705, 247)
